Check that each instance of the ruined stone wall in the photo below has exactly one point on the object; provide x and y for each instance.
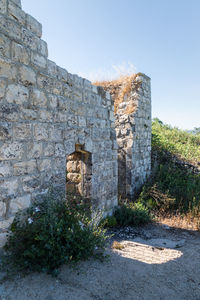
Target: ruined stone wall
(44, 113)
(132, 96)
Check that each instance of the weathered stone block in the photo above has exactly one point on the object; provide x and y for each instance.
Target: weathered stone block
(2, 88)
(53, 101)
(25, 168)
(42, 48)
(28, 114)
(27, 76)
(7, 69)
(8, 187)
(45, 116)
(11, 150)
(52, 68)
(20, 53)
(5, 169)
(16, 13)
(44, 164)
(31, 183)
(3, 209)
(29, 39)
(38, 60)
(22, 131)
(41, 132)
(38, 98)
(60, 150)
(33, 25)
(49, 149)
(17, 94)
(20, 203)
(34, 150)
(5, 131)
(17, 2)
(56, 133)
(4, 46)
(3, 6)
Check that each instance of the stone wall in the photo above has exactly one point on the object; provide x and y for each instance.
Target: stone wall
(44, 113)
(132, 96)
(49, 116)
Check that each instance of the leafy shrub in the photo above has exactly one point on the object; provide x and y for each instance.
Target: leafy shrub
(50, 234)
(109, 222)
(132, 214)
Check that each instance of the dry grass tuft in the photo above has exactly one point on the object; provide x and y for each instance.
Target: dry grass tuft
(120, 89)
(116, 245)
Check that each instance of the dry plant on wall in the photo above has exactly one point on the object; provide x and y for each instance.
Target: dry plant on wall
(120, 89)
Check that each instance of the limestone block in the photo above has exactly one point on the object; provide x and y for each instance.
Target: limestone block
(25, 168)
(13, 29)
(38, 60)
(3, 6)
(2, 88)
(60, 117)
(16, 13)
(29, 39)
(38, 98)
(52, 68)
(28, 114)
(82, 121)
(69, 146)
(68, 91)
(3, 209)
(45, 82)
(11, 150)
(22, 131)
(5, 131)
(19, 203)
(9, 112)
(53, 101)
(62, 74)
(17, 2)
(20, 53)
(44, 164)
(59, 150)
(34, 150)
(41, 132)
(27, 76)
(33, 25)
(4, 46)
(45, 116)
(56, 133)
(31, 183)
(7, 69)
(42, 48)
(49, 149)
(57, 87)
(5, 169)
(8, 187)
(17, 94)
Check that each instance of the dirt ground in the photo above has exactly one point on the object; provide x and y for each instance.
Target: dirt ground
(157, 262)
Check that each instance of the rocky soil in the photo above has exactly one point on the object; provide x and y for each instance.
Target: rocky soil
(156, 262)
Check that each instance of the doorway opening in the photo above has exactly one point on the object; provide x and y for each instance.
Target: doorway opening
(79, 176)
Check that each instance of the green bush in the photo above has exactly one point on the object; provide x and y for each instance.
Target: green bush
(132, 214)
(109, 222)
(50, 234)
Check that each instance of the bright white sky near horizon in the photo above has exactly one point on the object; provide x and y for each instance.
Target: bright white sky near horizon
(99, 39)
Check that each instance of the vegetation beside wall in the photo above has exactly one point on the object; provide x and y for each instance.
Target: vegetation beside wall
(174, 188)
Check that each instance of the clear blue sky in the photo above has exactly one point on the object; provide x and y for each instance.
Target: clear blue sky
(161, 38)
